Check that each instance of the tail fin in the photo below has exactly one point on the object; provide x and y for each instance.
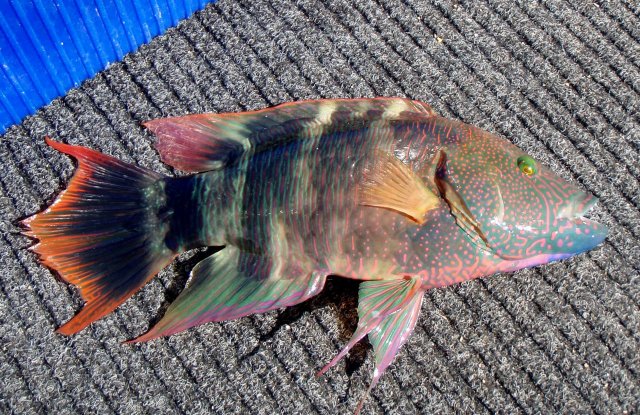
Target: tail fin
(105, 233)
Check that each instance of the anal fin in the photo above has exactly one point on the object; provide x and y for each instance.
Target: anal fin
(231, 284)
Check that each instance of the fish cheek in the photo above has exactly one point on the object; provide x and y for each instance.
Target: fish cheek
(522, 232)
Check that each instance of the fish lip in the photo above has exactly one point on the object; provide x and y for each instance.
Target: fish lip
(576, 213)
(587, 204)
(579, 208)
(583, 209)
(585, 233)
(593, 233)
(596, 232)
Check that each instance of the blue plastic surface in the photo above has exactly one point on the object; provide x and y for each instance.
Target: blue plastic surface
(49, 47)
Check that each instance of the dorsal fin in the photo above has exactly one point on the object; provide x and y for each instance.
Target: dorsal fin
(205, 142)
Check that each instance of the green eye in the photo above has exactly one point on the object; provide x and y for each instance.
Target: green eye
(527, 165)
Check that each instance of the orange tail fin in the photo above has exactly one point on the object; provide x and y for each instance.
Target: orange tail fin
(104, 233)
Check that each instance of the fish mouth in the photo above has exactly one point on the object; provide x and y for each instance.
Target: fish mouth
(578, 206)
(577, 212)
(572, 232)
(584, 233)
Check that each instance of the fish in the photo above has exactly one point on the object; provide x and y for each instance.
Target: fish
(380, 190)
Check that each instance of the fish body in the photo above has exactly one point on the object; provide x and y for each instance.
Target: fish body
(298, 201)
(379, 190)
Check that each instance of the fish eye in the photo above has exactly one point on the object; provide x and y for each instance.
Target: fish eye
(527, 165)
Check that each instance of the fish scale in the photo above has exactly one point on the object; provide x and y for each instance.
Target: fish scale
(380, 190)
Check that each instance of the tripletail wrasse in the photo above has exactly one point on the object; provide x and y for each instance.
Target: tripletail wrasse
(380, 190)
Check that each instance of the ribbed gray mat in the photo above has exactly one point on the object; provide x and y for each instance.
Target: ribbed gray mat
(560, 79)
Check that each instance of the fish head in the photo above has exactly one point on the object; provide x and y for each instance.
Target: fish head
(510, 204)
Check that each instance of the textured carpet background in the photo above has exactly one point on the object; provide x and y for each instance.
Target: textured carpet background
(560, 79)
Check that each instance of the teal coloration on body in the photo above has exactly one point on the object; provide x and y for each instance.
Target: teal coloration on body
(379, 190)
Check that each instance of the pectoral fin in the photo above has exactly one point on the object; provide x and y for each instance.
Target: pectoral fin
(390, 184)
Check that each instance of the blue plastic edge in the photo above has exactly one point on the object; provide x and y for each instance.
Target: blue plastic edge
(49, 47)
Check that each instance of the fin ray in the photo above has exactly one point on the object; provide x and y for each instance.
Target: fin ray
(392, 333)
(388, 338)
(387, 312)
